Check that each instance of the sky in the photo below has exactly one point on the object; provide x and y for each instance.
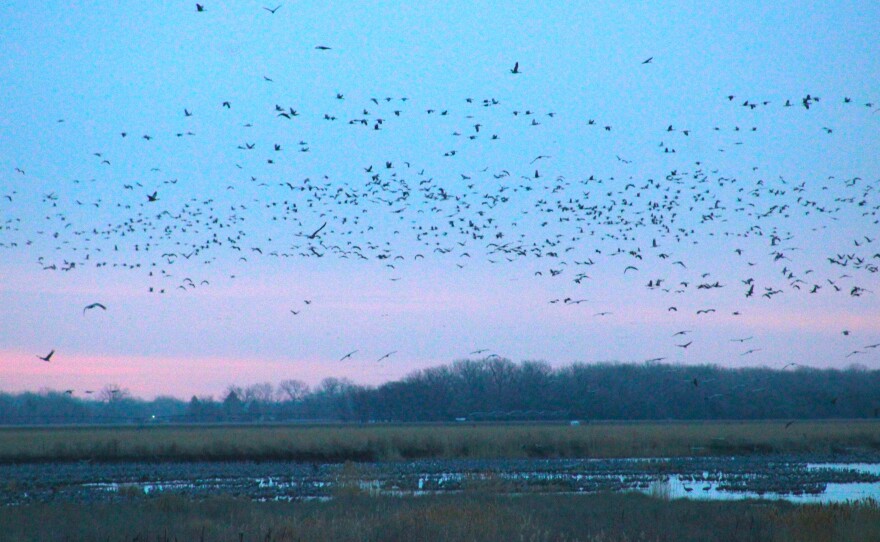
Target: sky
(402, 194)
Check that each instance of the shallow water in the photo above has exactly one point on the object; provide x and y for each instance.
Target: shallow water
(826, 493)
(795, 479)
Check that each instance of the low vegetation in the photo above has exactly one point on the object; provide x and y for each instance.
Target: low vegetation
(465, 516)
(337, 443)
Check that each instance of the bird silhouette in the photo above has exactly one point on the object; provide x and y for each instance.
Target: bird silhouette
(386, 355)
(315, 233)
(94, 306)
(47, 357)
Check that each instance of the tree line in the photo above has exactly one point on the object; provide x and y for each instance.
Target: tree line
(491, 389)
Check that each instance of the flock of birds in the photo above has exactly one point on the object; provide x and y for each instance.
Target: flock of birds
(567, 226)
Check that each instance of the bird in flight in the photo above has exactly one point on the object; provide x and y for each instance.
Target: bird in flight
(515, 69)
(94, 306)
(322, 48)
(272, 11)
(386, 355)
(48, 357)
(648, 61)
(200, 7)
(347, 356)
(312, 236)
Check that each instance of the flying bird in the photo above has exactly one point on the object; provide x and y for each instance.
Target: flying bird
(312, 236)
(515, 69)
(347, 356)
(48, 357)
(94, 306)
(272, 11)
(648, 61)
(386, 355)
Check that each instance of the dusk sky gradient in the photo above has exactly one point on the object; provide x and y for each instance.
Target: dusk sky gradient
(75, 76)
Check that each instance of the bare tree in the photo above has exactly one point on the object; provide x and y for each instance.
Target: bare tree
(112, 393)
(258, 393)
(292, 390)
(234, 389)
(335, 386)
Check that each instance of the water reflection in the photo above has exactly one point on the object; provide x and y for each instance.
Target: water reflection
(673, 478)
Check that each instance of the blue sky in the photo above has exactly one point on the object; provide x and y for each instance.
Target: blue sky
(74, 77)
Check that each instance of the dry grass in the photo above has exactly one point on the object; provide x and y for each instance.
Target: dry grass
(467, 516)
(392, 442)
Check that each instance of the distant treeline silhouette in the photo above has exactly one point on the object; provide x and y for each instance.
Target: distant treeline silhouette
(492, 389)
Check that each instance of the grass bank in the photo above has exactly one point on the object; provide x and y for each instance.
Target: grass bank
(466, 516)
(394, 442)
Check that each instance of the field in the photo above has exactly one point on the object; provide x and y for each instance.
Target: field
(329, 443)
(466, 516)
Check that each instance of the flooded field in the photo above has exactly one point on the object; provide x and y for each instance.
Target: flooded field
(792, 478)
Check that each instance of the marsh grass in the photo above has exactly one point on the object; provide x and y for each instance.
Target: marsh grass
(465, 516)
(661, 490)
(366, 443)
